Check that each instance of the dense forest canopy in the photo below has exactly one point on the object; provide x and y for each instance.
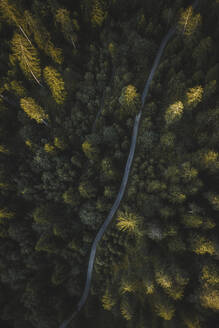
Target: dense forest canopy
(72, 74)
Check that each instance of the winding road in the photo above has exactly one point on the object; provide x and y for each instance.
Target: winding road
(120, 195)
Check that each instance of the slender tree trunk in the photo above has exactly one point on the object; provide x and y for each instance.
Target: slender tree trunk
(186, 21)
(73, 42)
(26, 61)
(25, 35)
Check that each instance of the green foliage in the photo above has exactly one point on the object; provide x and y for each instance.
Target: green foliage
(42, 37)
(60, 143)
(56, 84)
(130, 99)
(33, 110)
(89, 216)
(156, 264)
(71, 197)
(89, 150)
(209, 298)
(42, 215)
(69, 27)
(128, 222)
(174, 112)
(59, 274)
(18, 88)
(194, 96)
(5, 214)
(27, 57)
(188, 21)
(107, 301)
(192, 221)
(213, 200)
(98, 14)
(210, 160)
(126, 310)
(86, 190)
(107, 168)
(164, 308)
(46, 244)
(202, 245)
(210, 274)
(167, 140)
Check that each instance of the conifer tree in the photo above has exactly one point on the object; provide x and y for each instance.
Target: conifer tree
(56, 84)
(210, 273)
(27, 57)
(163, 307)
(68, 26)
(87, 190)
(209, 298)
(60, 143)
(107, 168)
(213, 199)
(49, 148)
(13, 16)
(89, 150)
(3, 149)
(209, 160)
(188, 22)
(108, 301)
(202, 245)
(46, 243)
(71, 197)
(128, 222)
(194, 96)
(42, 37)
(126, 310)
(33, 110)
(174, 112)
(4, 213)
(98, 14)
(130, 99)
(18, 88)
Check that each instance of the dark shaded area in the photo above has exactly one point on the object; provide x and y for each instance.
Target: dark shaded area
(157, 263)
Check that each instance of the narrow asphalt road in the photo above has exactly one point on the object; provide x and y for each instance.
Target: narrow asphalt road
(120, 195)
(123, 184)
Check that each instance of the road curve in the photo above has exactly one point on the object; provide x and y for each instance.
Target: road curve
(123, 184)
(124, 180)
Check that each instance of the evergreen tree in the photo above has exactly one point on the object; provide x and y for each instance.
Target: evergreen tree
(33, 110)
(27, 56)
(13, 16)
(69, 27)
(129, 99)
(98, 14)
(188, 21)
(56, 84)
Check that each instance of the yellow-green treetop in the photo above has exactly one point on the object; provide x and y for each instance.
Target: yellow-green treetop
(194, 95)
(68, 26)
(188, 21)
(4, 213)
(33, 110)
(56, 84)
(130, 99)
(12, 15)
(98, 15)
(26, 55)
(42, 37)
(174, 112)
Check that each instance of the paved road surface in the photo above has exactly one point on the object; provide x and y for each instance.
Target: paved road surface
(124, 180)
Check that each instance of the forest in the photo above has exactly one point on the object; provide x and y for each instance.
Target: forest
(72, 77)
